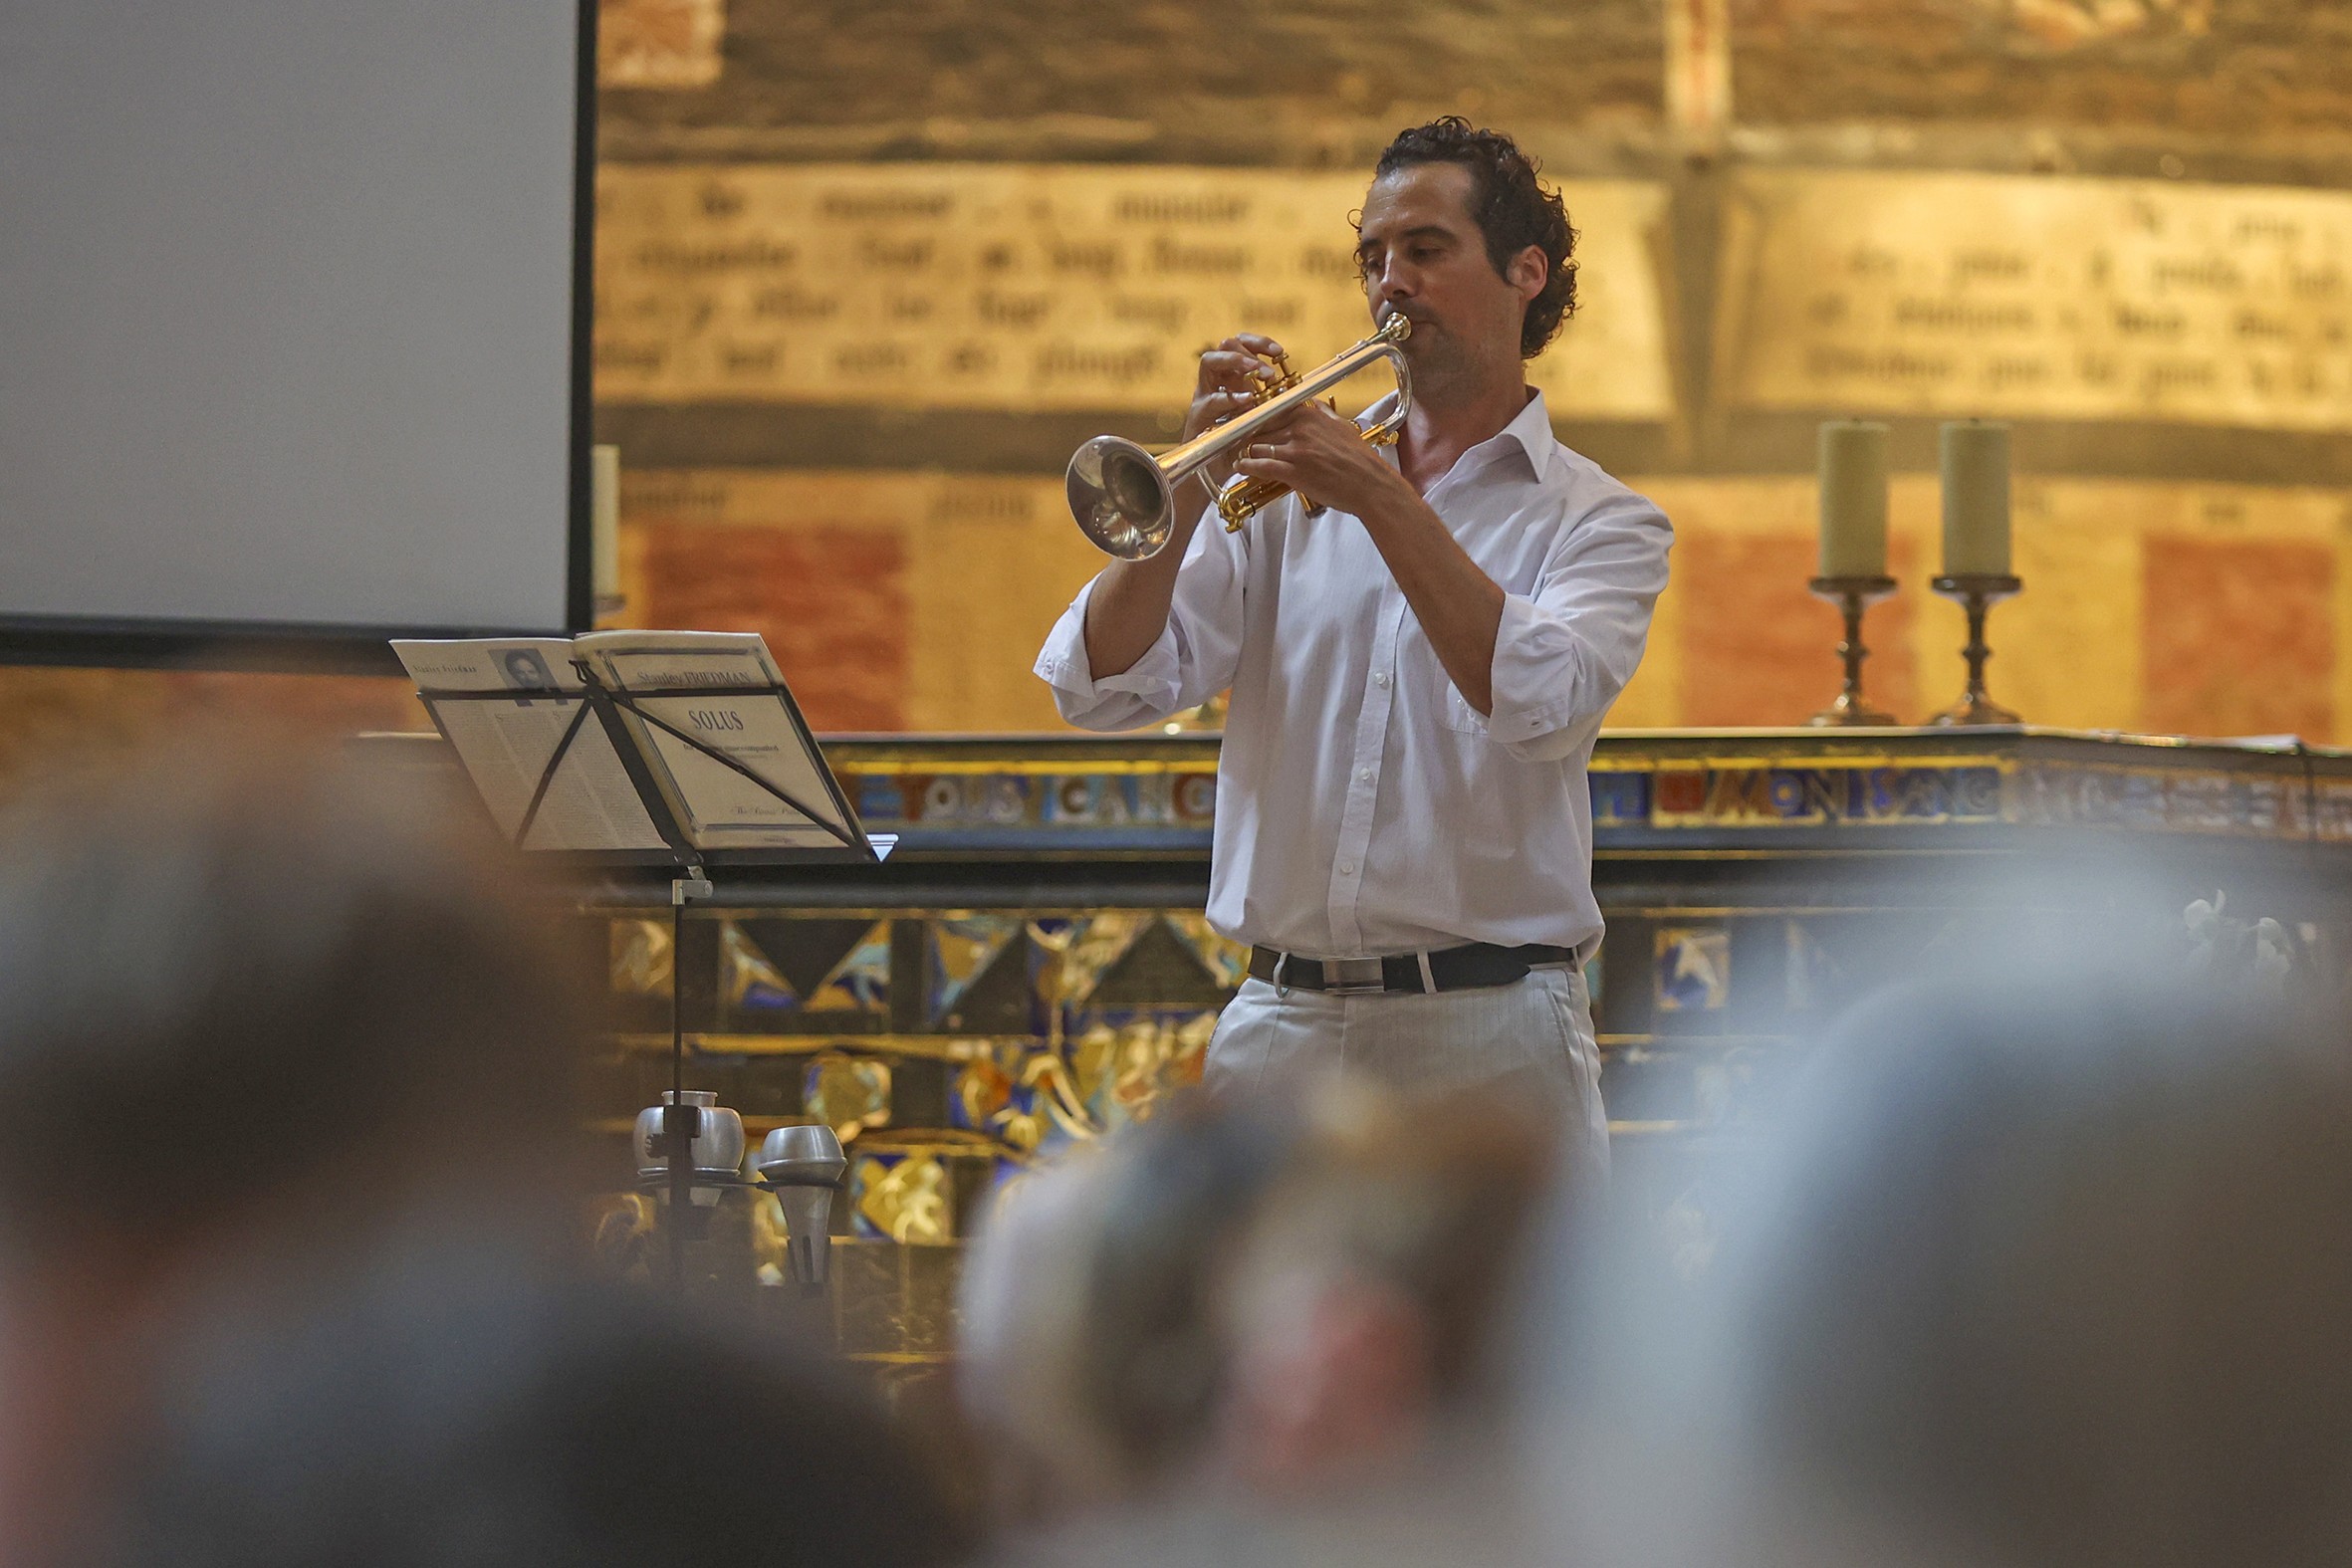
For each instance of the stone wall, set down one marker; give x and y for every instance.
(1217, 80)
(2246, 70)
(1304, 80)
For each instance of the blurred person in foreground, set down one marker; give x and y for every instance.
(255, 1014)
(286, 1208)
(1237, 1335)
(444, 1411)
(2038, 1269)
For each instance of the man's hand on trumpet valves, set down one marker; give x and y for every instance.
(1232, 376)
(1324, 458)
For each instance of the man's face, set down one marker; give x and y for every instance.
(1420, 252)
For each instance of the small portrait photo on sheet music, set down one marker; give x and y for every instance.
(525, 669)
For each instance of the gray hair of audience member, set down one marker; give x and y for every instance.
(1091, 1333)
(1430, 1197)
(227, 983)
(1113, 1308)
(1023, 1308)
(453, 1412)
(2039, 1272)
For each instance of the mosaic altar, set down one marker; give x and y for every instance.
(1030, 969)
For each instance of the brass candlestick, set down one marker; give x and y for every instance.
(1852, 595)
(1977, 594)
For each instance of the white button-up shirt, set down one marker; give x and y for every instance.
(1363, 806)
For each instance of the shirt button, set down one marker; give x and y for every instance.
(1347, 868)
(1380, 679)
(1363, 775)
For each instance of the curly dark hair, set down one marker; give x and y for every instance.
(1514, 210)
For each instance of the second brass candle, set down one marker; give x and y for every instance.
(1975, 466)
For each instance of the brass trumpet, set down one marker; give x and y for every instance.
(1123, 497)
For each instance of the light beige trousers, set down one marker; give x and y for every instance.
(1531, 1043)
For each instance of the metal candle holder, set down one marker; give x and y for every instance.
(1977, 592)
(1852, 595)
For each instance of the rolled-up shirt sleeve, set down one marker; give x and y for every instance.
(1193, 660)
(1563, 653)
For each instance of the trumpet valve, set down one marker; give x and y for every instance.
(1274, 377)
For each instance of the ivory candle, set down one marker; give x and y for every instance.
(1853, 498)
(1975, 465)
(604, 521)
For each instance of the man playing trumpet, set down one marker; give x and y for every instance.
(1404, 830)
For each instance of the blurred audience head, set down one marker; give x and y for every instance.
(1093, 1346)
(452, 1411)
(2038, 1269)
(228, 984)
(1363, 1302)
(1279, 1301)
(253, 1007)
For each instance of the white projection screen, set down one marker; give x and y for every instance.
(292, 325)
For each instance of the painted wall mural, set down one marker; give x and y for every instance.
(1035, 286)
(2034, 298)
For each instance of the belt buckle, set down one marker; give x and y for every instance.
(1354, 976)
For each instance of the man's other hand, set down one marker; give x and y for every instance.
(1232, 376)
(1324, 458)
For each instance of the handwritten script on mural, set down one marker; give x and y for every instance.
(1037, 287)
(2042, 298)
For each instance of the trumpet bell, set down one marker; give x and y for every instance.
(1121, 497)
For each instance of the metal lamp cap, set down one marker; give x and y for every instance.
(718, 1135)
(806, 1156)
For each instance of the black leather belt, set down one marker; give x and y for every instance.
(1445, 968)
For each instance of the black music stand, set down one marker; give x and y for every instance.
(680, 1122)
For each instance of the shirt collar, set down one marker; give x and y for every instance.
(1530, 430)
(1533, 431)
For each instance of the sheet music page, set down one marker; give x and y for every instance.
(720, 808)
(489, 665)
(631, 659)
(505, 743)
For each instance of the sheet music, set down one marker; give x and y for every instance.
(592, 802)
(519, 664)
(720, 808)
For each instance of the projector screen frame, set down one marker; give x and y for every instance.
(344, 649)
